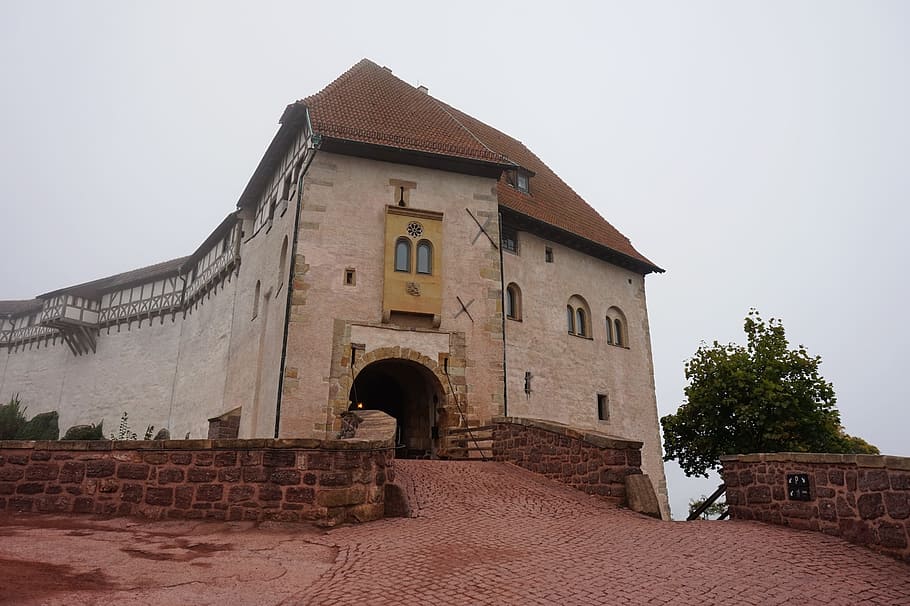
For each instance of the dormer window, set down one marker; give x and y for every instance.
(522, 182)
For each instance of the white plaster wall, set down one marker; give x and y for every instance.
(201, 362)
(256, 342)
(132, 371)
(342, 225)
(569, 371)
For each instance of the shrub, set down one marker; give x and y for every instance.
(12, 418)
(85, 432)
(41, 427)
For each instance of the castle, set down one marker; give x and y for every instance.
(390, 252)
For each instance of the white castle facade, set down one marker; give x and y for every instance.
(388, 252)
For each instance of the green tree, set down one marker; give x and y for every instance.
(714, 510)
(761, 397)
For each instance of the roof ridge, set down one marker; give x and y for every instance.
(334, 83)
(107, 281)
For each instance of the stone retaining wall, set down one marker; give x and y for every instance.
(862, 498)
(592, 462)
(322, 481)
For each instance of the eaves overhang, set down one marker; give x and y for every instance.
(550, 232)
(412, 157)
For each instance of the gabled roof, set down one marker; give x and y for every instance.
(128, 278)
(369, 105)
(17, 308)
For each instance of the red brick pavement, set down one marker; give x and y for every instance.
(485, 533)
(491, 533)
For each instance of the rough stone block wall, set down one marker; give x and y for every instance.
(224, 427)
(862, 498)
(588, 461)
(325, 482)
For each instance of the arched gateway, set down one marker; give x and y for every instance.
(408, 391)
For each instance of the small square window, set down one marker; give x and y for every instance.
(350, 277)
(603, 407)
(548, 254)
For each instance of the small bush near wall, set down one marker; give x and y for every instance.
(862, 498)
(85, 432)
(42, 426)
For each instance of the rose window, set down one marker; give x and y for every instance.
(415, 229)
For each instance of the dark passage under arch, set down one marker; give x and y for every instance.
(408, 391)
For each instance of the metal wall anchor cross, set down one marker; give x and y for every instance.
(483, 229)
(464, 308)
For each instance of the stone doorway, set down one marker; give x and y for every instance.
(407, 391)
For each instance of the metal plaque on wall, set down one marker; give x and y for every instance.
(798, 487)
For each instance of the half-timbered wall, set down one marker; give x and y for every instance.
(282, 187)
(179, 348)
(143, 300)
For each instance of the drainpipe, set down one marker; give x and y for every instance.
(293, 253)
(502, 288)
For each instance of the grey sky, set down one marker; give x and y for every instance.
(756, 150)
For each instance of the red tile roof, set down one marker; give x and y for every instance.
(127, 278)
(367, 104)
(16, 308)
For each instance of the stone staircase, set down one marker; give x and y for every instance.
(469, 442)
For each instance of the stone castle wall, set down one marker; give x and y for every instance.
(342, 227)
(573, 370)
(862, 498)
(322, 481)
(590, 462)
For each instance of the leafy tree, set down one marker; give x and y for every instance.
(714, 510)
(762, 397)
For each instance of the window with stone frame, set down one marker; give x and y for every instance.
(578, 317)
(513, 302)
(403, 255)
(509, 238)
(603, 407)
(617, 328)
(425, 257)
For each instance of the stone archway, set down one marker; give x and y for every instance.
(411, 393)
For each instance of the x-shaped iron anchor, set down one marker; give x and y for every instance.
(464, 308)
(483, 229)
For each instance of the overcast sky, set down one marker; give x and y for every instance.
(756, 150)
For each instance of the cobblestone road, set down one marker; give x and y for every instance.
(490, 533)
(484, 533)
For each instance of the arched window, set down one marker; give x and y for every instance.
(256, 300)
(403, 255)
(577, 314)
(424, 257)
(513, 302)
(617, 327)
(581, 324)
(282, 264)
